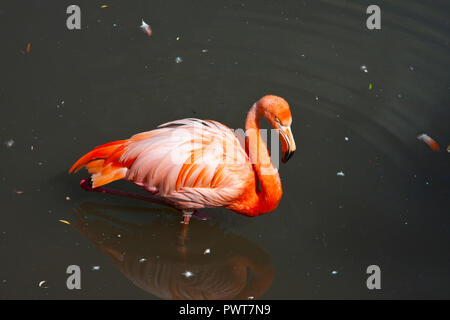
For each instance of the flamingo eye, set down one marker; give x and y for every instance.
(278, 121)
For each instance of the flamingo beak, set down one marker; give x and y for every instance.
(287, 142)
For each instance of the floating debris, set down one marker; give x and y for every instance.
(204, 50)
(317, 98)
(104, 6)
(43, 284)
(9, 143)
(346, 139)
(68, 198)
(334, 272)
(429, 141)
(370, 86)
(363, 68)
(178, 60)
(64, 221)
(411, 68)
(146, 28)
(142, 260)
(17, 191)
(340, 174)
(207, 251)
(95, 268)
(177, 38)
(188, 274)
(27, 50)
(119, 236)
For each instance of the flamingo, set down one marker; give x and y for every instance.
(191, 164)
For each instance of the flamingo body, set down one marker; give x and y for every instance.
(191, 164)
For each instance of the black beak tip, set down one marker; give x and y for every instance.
(287, 156)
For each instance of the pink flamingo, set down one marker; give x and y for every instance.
(191, 164)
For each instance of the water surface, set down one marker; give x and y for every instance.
(75, 90)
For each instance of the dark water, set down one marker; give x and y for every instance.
(78, 89)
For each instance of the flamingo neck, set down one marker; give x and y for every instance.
(269, 195)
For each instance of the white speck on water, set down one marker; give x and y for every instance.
(207, 251)
(142, 260)
(188, 274)
(347, 139)
(400, 96)
(340, 174)
(17, 191)
(317, 98)
(178, 38)
(204, 50)
(114, 25)
(43, 284)
(9, 143)
(178, 60)
(334, 272)
(119, 236)
(144, 25)
(68, 198)
(411, 68)
(251, 298)
(95, 268)
(32, 148)
(363, 68)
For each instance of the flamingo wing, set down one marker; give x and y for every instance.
(191, 163)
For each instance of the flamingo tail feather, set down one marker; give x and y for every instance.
(104, 163)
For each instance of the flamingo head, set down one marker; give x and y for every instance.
(277, 112)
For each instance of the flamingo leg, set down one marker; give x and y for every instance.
(86, 184)
(187, 214)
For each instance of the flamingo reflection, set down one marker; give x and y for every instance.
(176, 261)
